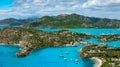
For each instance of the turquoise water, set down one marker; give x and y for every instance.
(1, 27)
(44, 57)
(92, 31)
(97, 31)
(50, 57)
(112, 43)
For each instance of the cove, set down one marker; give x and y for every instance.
(44, 57)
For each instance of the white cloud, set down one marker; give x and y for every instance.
(40, 7)
(28, 8)
(99, 3)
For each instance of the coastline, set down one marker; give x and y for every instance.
(98, 62)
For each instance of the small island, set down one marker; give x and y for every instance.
(105, 55)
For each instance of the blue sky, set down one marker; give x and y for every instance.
(6, 4)
(32, 8)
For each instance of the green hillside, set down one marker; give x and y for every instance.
(64, 21)
(74, 21)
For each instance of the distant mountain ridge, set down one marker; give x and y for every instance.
(13, 21)
(65, 21)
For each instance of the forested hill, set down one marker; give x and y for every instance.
(75, 21)
(66, 21)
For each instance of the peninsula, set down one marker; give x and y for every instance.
(30, 39)
(105, 55)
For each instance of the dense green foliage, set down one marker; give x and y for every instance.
(74, 21)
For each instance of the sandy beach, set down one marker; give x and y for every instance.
(98, 62)
(12, 44)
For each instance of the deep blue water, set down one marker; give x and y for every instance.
(50, 57)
